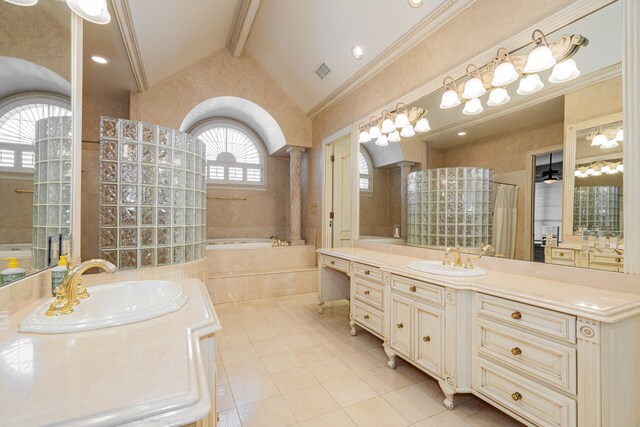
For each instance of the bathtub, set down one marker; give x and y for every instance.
(238, 243)
(15, 250)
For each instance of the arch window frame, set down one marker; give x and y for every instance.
(368, 175)
(233, 173)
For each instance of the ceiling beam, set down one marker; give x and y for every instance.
(246, 17)
(122, 14)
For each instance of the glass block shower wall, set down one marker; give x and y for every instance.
(450, 207)
(597, 208)
(152, 194)
(51, 186)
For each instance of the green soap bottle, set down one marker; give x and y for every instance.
(58, 273)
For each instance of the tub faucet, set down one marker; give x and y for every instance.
(71, 291)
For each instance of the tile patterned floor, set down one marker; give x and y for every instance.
(280, 363)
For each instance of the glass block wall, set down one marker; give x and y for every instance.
(597, 208)
(51, 186)
(152, 195)
(450, 207)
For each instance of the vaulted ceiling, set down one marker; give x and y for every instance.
(148, 40)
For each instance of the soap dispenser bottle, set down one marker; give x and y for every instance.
(58, 273)
(12, 273)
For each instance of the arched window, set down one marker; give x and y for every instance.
(364, 163)
(18, 119)
(235, 155)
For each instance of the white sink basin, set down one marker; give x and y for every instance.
(110, 305)
(436, 267)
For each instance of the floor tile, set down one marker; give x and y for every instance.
(229, 418)
(376, 412)
(246, 368)
(293, 379)
(237, 351)
(300, 341)
(362, 361)
(414, 403)
(225, 398)
(279, 361)
(254, 389)
(310, 402)
(332, 419)
(384, 379)
(349, 390)
(443, 419)
(269, 346)
(313, 354)
(272, 412)
(329, 370)
(489, 417)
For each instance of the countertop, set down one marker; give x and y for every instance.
(145, 373)
(593, 303)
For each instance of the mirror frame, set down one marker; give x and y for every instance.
(631, 107)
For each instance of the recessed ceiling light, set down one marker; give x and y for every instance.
(415, 3)
(99, 59)
(357, 52)
(462, 133)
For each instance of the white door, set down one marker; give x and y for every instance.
(341, 222)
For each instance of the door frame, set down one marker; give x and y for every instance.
(529, 204)
(327, 189)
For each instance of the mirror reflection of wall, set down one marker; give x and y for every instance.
(35, 75)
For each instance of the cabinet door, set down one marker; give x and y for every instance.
(429, 338)
(401, 324)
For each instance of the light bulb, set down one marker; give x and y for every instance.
(473, 88)
(529, 84)
(394, 136)
(450, 99)
(539, 59)
(612, 143)
(504, 74)
(388, 126)
(382, 141)
(498, 96)
(589, 171)
(401, 121)
(620, 136)
(374, 132)
(407, 131)
(612, 171)
(605, 169)
(620, 168)
(422, 125)
(577, 173)
(598, 139)
(364, 137)
(564, 71)
(95, 11)
(472, 106)
(90, 7)
(596, 172)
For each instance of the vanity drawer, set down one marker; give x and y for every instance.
(335, 263)
(373, 274)
(368, 317)
(540, 405)
(542, 359)
(527, 317)
(563, 254)
(369, 293)
(606, 260)
(426, 291)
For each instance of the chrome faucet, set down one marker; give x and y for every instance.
(457, 259)
(71, 291)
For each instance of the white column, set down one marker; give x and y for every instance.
(295, 195)
(405, 169)
(631, 123)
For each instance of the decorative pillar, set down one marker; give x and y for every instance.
(631, 122)
(405, 170)
(295, 195)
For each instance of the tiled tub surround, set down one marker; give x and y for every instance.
(546, 352)
(450, 207)
(152, 195)
(51, 185)
(116, 375)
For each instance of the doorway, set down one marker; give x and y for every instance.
(338, 182)
(547, 201)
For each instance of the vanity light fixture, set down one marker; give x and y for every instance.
(620, 168)
(408, 131)
(394, 136)
(498, 96)
(597, 137)
(611, 143)
(450, 97)
(473, 88)
(382, 141)
(541, 58)
(530, 84)
(388, 125)
(564, 71)
(364, 135)
(505, 73)
(598, 169)
(620, 135)
(357, 52)
(23, 2)
(472, 107)
(397, 124)
(99, 59)
(95, 11)
(374, 130)
(422, 125)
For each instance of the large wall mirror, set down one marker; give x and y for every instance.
(35, 135)
(537, 177)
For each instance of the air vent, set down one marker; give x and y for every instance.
(323, 70)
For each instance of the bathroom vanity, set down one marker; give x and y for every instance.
(547, 353)
(161, 371)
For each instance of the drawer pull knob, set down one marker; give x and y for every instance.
(618, 260)
(332, 262)
(561, 253)
(400, 325)
(516, 315)
(516, 351)
(426, 339)
(516, 396)
(367, 272)
(366, 292)
(413, 289)
(366, 317)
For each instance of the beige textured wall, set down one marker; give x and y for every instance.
(600, 99)
(507, 156)
(380, 209)
(263, 214)
(482, 25)
(16, 210)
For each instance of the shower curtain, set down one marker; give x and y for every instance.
(505, 215)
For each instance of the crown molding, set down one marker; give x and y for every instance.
(421, 31)
(122, 14)
(244, 23)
